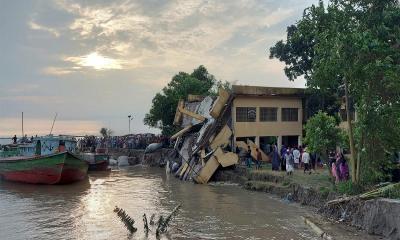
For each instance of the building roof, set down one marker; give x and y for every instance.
(267, 91)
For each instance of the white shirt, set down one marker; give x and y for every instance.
(306, 157)
(296, 155)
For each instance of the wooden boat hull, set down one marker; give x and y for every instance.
(99, 166)
(75, 169)
(36, 170)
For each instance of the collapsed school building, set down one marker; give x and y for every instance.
(216, 130)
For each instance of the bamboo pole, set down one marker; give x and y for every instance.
(351, 139)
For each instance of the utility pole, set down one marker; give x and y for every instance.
(23, 125)
(129, 122)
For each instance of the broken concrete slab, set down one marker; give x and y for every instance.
(178, 114)
(219, 104)
(253, 147)
(222, 138)
(192, 114)
(181, 132)
(207, 171)
(228, 159)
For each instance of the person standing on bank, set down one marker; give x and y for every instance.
(275, 159)
(14, 139)
(306, 161)
(296, 157)
(258, 160)
(289, 162)
(249, 158)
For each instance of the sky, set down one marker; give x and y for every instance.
(96, 62)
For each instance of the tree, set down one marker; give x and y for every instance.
(105, 132)
(353, 46)
(162, 112)
(322, 133)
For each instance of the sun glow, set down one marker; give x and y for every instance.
(96, 61)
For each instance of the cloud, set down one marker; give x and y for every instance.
(36, 26)
(57, 71)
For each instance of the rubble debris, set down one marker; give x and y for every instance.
(219, 103)
(207, 171)
(163, 223)
(206, 147)
(222, 139)
(192, 114)
(178, 114)
(126, 219)
(226, 159)
(151, 222)
(253, 147)
(181, 132)
(195, 98)
(145, 224)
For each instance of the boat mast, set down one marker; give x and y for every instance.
(23, 125)
(53, 124)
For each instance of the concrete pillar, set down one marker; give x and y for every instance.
(300, 140)
(279, 143)
(257, 141)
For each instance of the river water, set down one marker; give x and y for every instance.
(85, 210)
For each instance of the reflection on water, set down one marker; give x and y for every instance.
(85, 210)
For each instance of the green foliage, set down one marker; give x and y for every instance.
(322, 133)
(357, 41)
(349, 188)
(105, 132)
(324, 191)
(162, 112)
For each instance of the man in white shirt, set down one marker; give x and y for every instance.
(296, 156)
(306, 160)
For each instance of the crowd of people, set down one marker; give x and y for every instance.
(131, 141)
(289, 159)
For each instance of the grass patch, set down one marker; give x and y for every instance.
(349, 188)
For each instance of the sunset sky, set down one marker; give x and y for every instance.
(96, 62)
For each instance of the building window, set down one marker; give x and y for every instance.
(246, 114)
(290, 114)
(268, 114)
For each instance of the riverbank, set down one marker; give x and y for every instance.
(377, 216)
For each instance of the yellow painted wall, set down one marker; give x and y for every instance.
(278, 128)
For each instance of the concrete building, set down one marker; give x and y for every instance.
(267, 115)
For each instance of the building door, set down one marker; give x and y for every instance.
(290, 141)
(266, 143)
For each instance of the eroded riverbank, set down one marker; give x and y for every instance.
(85, 210)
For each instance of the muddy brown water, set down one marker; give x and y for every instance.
(85, 210)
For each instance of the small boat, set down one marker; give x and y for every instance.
(59, 168)
(96, 161)
(47, 160)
